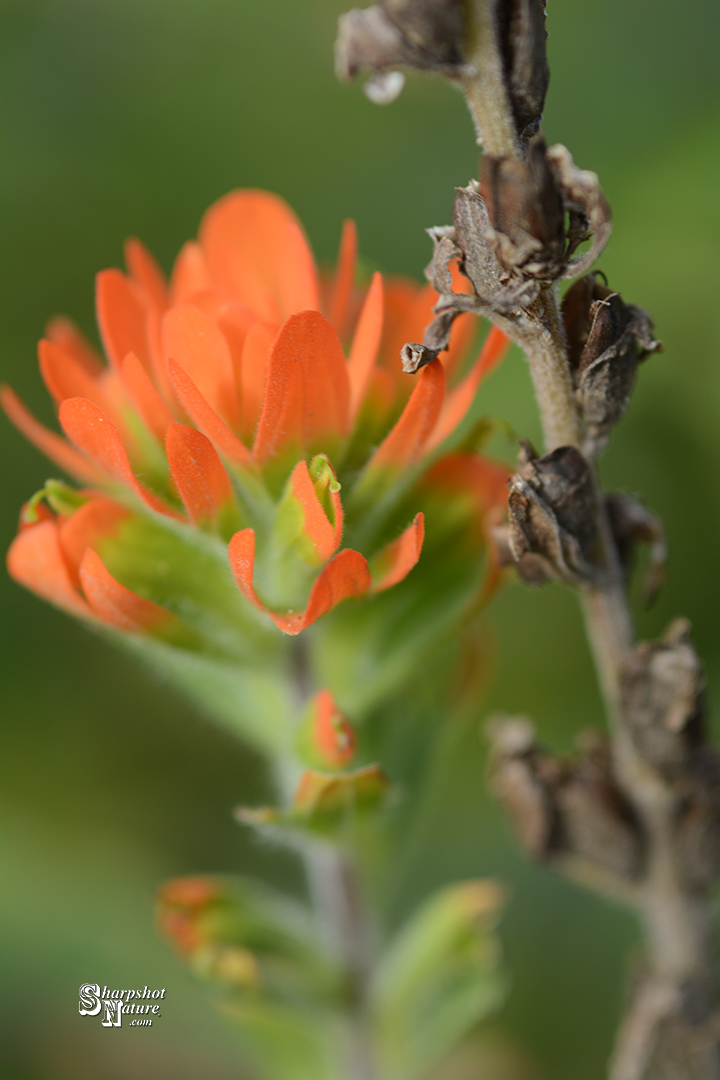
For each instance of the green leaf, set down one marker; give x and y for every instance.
(328, 804)
(283, 1044)
(252, 703)
(439, 978)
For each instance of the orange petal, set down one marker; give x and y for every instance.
(325, 535)
(254, 248)
(122, 317)
(235, 320)
(344, 576)
(63, 332)
(89, 428)
(95, 520)
(298, 285)
(47, 442)
(405, 442)
(146, 273)
(190, 273)
(366, 343)
(141, 391)
(66, 377)
(206, 419)
(194, 341)
(308, 392)
(480, 478)
(341, 288)
(115, 604)
(397, 560)
(36, 561)
(461, 397)
(253, 371)
(199, 475)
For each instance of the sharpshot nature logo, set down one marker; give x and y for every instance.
(114, 1004)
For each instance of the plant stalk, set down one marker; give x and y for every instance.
(677, 921)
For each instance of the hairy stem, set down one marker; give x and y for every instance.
(339, 903)
(542, 337)
(484, 87)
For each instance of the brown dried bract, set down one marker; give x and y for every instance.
(552, 514)
(663, 699)
(566, 809)
(522, 36)
(607, 339)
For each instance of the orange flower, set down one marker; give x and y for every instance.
(227, 395)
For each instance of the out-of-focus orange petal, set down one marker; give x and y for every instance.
(298, 285)
(366, 343)
(476, 477)
(190, 273)
(344, 576)
(36, 561)
(146, 273)
(307, 391)
(64, 332)
(253, 371)
(141, 391)
(235, 320)
(122, 317)
(47, 442)
(115, 604)
(194, 340)
(206, 419)
(95, 520)
(255, 249)
(408, 310)
(90, 430)
(199, 475)
(397, 560)
(342, 283)
(324, 534)
(461, 397)
(405, 442)
(65, 377)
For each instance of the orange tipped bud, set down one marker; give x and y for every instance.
(326, 740)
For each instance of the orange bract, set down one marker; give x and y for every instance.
(229, 379)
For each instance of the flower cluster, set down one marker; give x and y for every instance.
(231, 445)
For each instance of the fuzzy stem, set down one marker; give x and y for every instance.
(542, 337)
(338, 901)
(337, 896)
(484, 87)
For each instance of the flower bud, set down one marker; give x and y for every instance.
(326, 739)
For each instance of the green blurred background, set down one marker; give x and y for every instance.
(129, 117)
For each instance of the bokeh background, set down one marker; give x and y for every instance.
(128, 117)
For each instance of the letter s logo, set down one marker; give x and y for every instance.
(90, 999)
